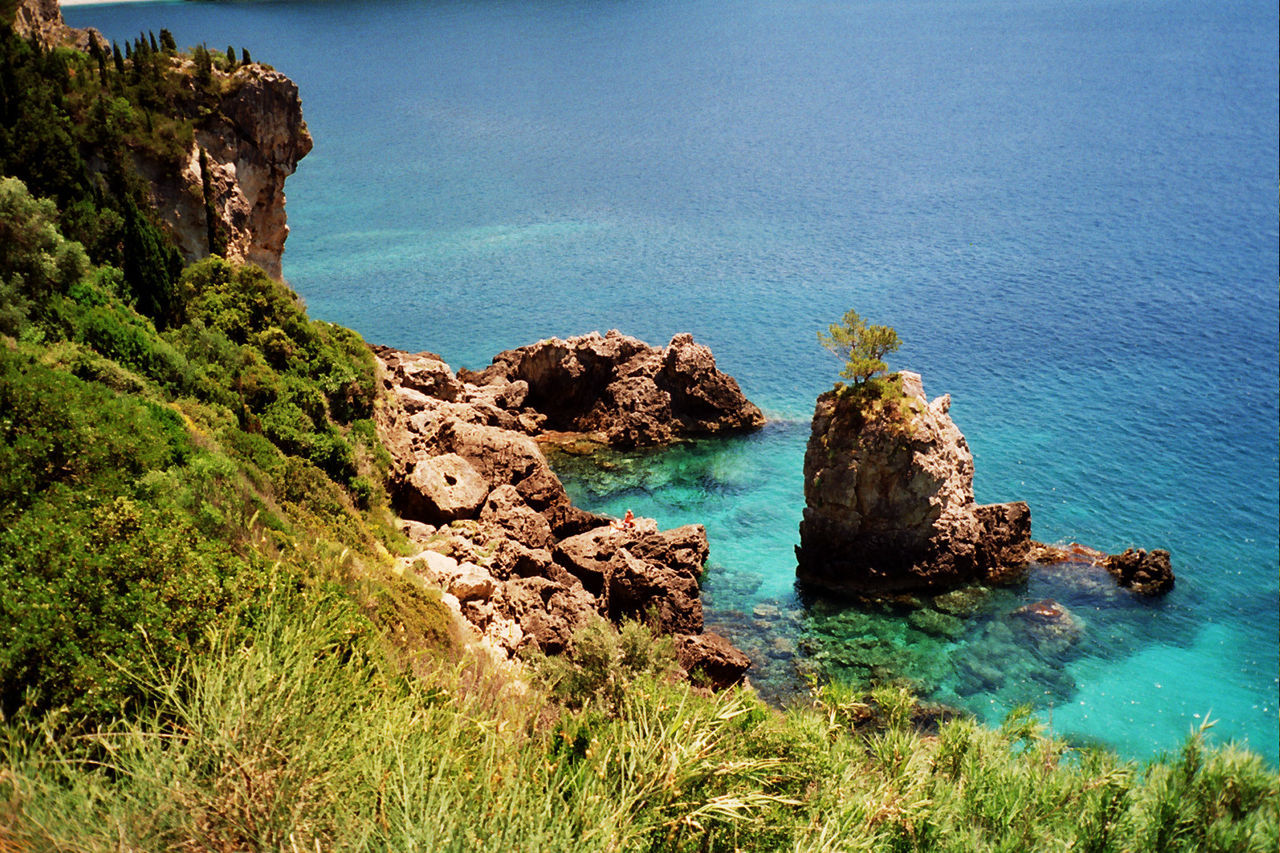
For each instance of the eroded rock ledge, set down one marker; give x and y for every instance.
(498, 532)
(623, 391)
(889, 506)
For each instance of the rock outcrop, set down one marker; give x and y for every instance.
(253, 135)
(1144, 572)
(623, 391)
(499, 534)
(42, 20)
(889, 500)
(253, 139)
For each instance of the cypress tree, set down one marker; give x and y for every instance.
(231, 57)
(244, 56)
(117, 57)
(216, 246)
(154, 47)
(167, 42)
(99, 56)
(204, 65)
(128, 50)
(148, 267)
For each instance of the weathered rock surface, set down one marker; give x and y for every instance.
(524, 566)
(623, 390)
(889, 501)
(254, 140)
(718, 660)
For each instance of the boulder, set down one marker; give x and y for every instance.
(443, 488)
(1144, 572)
(470, 582)
(683, 549)
(718, 660)
(548, 612)
(506, 509)
(642, 571)
(650, 591)
(889, 499)
(587, 555)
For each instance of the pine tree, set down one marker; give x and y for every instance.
(863, 347)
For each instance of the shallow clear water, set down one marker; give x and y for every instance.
(1067, 209)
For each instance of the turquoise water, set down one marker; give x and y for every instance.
(1067, 209)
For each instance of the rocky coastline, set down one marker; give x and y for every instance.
(517, 560)
(889, 506)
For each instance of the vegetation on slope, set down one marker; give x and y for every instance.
(303, 739)
(153, 484)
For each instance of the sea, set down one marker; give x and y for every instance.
(1066, 208)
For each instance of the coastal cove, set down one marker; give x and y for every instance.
(1066, 210)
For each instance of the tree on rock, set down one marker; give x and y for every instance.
(863, 347)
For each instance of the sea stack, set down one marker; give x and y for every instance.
(889, 506)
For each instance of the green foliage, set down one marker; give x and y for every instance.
(862, 347)
(606, 662)
(147, 480)
(302, 734)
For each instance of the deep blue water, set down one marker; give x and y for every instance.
(1067, 209)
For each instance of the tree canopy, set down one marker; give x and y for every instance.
(862, 347)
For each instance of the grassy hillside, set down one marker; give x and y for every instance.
(203, 646)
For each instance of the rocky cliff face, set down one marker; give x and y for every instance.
(623, 391)
(254, 140)
(498, 532)
(254, 137)
(43, 20)
(889, 501)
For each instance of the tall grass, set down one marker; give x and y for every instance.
(306, 738)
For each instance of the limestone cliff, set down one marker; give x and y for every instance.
(253, 138)
(889, 500)
(42, 19)
(249, 121)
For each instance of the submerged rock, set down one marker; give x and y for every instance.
(1051, 626)
(1137, 570)
(889, 500)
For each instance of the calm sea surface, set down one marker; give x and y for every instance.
(1066, 208)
